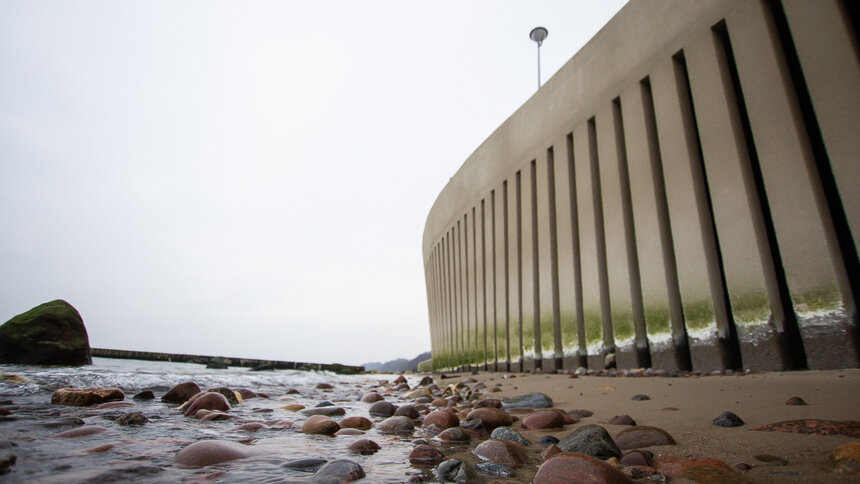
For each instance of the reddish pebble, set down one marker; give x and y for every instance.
(100, 448)
(360, 423)
(504, 452)
(441, 419)
(364, 447)
(570, 467)
(544, 419)
(426, 455)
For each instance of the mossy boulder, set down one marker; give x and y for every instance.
(49, 334)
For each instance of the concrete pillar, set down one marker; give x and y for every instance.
(679, 153)
(749, 270)
(514, 258)
(591, 307)
(816, 275)
(617, 256)
(568, 290)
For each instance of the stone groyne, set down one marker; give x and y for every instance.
(226, 360)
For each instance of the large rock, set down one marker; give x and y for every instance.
(591, 440)
(50, 334)
(578, 468)
(181, 393)
(504, 452)
(529, 400)
(208, 452)
(84, 397)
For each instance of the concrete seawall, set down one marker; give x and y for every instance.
(681, 194)
(229, 361)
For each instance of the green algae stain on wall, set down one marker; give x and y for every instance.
(699, 314)
(622, 323)
(657, 319)
(593, 326)
(569, 331)
(547, 334)
(750, 307)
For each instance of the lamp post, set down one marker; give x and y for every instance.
(538, 34)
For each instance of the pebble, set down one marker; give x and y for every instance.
(845, 459)
(491, 417)
(424, 454)
(372, 397)
(795, 401)
(743, 466)
(454, 470)
(640, 397)
(83, 397)
(324, 386)
(580, 413)
(305, 465)
(496, 470)
(591, 440)
(643, 436)
(338, 471)
(133, 418)
(529, 400)
(320, 424)
(548, 440)
(489, 402)
(441, 419)
(364, 447)
(578, 468)
(637, 458)
(709, 475)
(144, 395)
(728, 419)
(425, 381)
(544, 419)
(354, 422)
(232, 397)
(454, 434)
(507, 433)
(395, 425)
(293, 407)
(622, 420)
(382, 409)
(207, 401)
(208, 452)
(504, 452)
(327, 411)
(181, 393)
(349, 431)
(408, 411)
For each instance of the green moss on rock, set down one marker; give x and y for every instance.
(49, 334)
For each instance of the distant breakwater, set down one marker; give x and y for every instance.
(226, 360)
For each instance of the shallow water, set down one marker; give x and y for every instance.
(147, 453)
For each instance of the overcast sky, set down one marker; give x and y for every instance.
(250, 178)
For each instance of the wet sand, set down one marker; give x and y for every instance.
(757, 398)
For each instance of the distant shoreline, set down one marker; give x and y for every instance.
(226, 360)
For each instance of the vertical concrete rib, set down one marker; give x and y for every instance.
(589, 277)
(680, 155)
(582, 344)
(831, 168)
(562, 163)
(812, 252)
(600, 243)
(467, 272)
(515, 258)
(558, 345)
(727, 337)
(502, 347)
(615, 238)
(507, 275)
(680, 346)
(484, 281)
(540, 181)
(730, 164)
(495, 356)
(536, 312)
(476, 358)
(643, 355)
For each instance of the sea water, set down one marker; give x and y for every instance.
(147, 453)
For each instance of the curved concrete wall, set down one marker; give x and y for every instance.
(681, 195)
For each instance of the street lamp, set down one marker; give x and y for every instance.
(538, 34)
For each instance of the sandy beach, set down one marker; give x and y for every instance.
(686, 406)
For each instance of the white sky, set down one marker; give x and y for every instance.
(250, 178)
